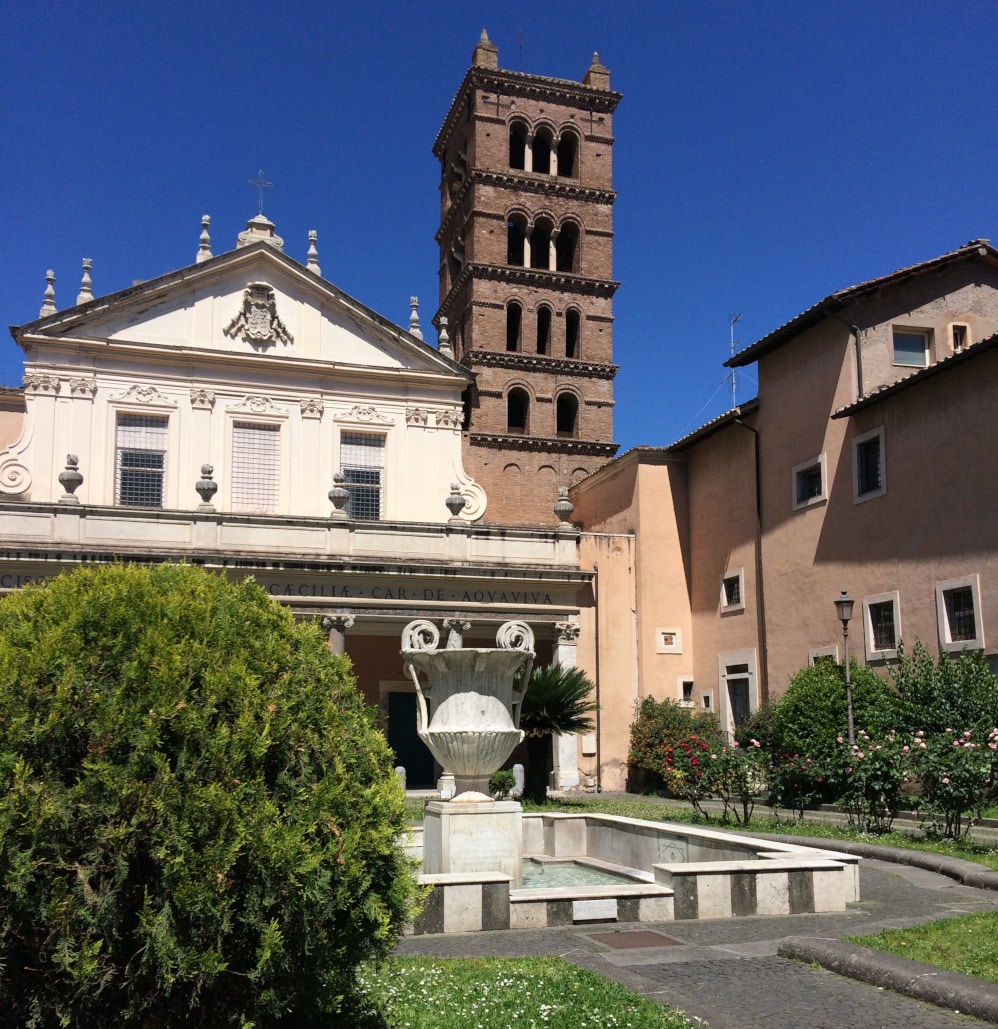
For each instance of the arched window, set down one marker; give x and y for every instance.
(516, 240)
(567, 248)
(514, 324)
(540, 244)
(573, 321)
(517, 411)
(517, 145)
(543, 330)
(567, 415)
(568, 155)
(542, 146)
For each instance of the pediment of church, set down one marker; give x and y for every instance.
(249, 302)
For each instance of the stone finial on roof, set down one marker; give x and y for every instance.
(86, 283)
(48, 305)
(414, 329)
(598, 75)
(485, 54)
(260, 228)
(204, 241)
(443, 339)
(313, 253)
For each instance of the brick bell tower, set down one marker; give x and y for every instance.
(526, 287)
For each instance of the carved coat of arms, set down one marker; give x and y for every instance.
(257, 323)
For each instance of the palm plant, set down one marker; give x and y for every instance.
(557, 701)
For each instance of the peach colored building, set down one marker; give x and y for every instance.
(867, 463)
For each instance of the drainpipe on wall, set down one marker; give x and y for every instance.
(599, 766)
(760, 597)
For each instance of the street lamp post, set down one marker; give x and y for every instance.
(843, 608)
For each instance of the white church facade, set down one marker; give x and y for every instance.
(244, 414)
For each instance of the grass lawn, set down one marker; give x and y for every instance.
(968, 944)
(494, 993)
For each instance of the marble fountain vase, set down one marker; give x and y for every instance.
(468, 714)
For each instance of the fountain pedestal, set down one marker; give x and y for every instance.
(474, 837)
(468, 714)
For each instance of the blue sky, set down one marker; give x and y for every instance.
(766, 153)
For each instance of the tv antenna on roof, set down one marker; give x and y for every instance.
(731, 324)
(519, 43)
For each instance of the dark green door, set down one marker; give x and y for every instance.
(410, 751)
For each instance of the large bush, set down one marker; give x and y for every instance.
(812, 714)
(198, 821)
(660, 728)
(949, 693)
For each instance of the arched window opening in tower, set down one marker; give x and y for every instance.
(540, 244)
(543, 330)
(514, 324)
(572, 325)
(517, 412)
(567, 416)
(517, 146)
(568, 155)
(542, 146)
(516, 240)
(567, 248)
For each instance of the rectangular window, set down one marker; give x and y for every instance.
(256, 470)
(732, 592)
(362, 460)
(140, 458)
(958, 612)
(823, 654)
(961, 336)
(882, 625)
(869, 478)
(911, 348)
(809, 482)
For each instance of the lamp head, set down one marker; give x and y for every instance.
(843, 608)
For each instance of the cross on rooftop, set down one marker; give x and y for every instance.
(261, 184)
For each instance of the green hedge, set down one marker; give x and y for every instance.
(198, 820)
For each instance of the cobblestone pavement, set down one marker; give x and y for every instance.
(726, 972)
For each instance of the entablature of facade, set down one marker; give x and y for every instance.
(521, 182)
(546, 444)
(78, 533)
(531, 87)
(539, 278)
(538, 363)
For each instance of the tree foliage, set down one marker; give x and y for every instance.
(662, 726)
(812, 714)
(198, 821)
(947, 693)
(558, 700)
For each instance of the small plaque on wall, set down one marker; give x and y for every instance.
(668, 641)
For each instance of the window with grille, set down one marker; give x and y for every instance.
(362, 460)
(256, 467)
(882, 625)
(140, 458)
(868, 465)
(732, 592)
(958, 608)
(809, 482)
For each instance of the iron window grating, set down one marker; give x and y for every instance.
(362, 460)
(256, 469)
(140, 446)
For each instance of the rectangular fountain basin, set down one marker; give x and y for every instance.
(669, 871)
